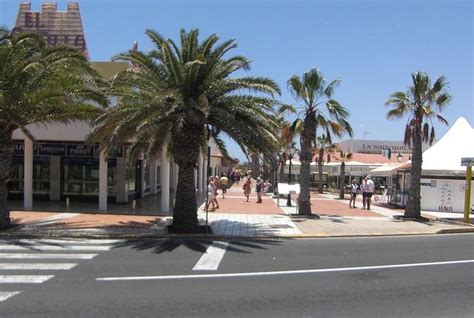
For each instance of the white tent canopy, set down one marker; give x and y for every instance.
(444, 157)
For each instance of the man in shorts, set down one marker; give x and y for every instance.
(224, 182)
(370, 189)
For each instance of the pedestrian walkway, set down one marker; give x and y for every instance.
(250, 225)
(77, 224)
(237, 218)
(24, 262)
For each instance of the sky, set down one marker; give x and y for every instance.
(372, 46)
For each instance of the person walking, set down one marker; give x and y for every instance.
(363, 188)
(224, 181)
(259, 189)
(215, 186)
(210, 194)
(354, 189)
(247, 187)
(370, 189)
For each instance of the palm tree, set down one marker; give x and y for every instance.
(255, 163)
(285, 137)
(312, 90)
(342, 174)
(39, 84)
(323, 145)
(178, 95)
(418, 105)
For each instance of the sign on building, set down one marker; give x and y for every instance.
(56, 27)
(467, 162)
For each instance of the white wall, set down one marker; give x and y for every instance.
(444, 195)
(76, 131)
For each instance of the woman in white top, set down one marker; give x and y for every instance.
(354, 189)
(210, 194)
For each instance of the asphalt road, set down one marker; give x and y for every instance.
(431, 290)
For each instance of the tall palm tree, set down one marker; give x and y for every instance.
(342, 173)
(419, 104)
(255, 163)
(177, 95)
(323, 146)
(315, 95)
(285, 137)
(40, 84)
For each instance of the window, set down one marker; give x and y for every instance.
(40, 175)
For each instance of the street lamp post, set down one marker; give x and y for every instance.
(291, 153)
(275, 182)
(399, 157)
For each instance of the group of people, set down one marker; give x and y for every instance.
(260, 187)
(222, 182)
(367, 187)
(214, 184)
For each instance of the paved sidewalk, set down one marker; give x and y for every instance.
(238, 218)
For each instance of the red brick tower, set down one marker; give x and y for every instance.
(56, 27)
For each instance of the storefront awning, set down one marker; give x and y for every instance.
(389, 169)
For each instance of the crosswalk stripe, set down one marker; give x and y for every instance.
(211, 259)
(54, 248)
(5, 295)
(24, 279)
(36, 266)
(56, 241)
(38, 256)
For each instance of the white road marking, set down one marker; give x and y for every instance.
(308, 271)
(37, 256)
(36, 266)
(24, 279)
(211, 259)
(54, 241)
(53, 248)
(5, 295)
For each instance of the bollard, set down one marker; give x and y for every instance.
(134, 204)
(67, 203)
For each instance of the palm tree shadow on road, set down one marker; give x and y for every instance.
(159, 246)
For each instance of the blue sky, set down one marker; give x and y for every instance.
(373, 46)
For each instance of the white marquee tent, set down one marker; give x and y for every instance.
(444, 157)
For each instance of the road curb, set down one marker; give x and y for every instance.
(86, 235)
(453, 222)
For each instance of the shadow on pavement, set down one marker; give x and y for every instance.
(200, 245)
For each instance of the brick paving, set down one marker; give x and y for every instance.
(237, 218)
(114, 220)
(331, 207)
(21, 217)
(235, 202)
(250, 225)
(369, 227)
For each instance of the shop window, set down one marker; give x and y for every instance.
(132, 178)
(147, 178)
(112, 180)
(41, 175)
(81, 176)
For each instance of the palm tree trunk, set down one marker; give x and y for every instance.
(255, 165)
(6, 156)
(413, 208)
(185, 211)
(307, 137)
(342, 180)
(186, 153)
(320, 171)
(282, 171)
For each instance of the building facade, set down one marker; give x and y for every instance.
(58, 165)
